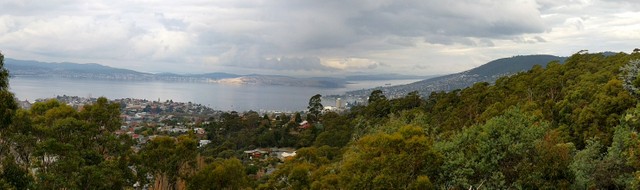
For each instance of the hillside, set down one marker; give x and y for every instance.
(488, 72)
(24, 67)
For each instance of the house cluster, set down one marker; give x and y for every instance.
(24, 104)
(166, 117)
(73, 101)
(143, 119)
(340, 106)
(132, 105)
(265, 156)
(264, 153)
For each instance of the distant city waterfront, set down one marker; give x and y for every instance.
(216, 96)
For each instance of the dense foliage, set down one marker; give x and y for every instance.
(566, 126)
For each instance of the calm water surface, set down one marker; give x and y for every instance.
(217, 96)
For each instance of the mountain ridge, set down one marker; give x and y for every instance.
(487, 72)
(30, 68)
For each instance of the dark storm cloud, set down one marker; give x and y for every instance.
(447, 22)
(310, 28)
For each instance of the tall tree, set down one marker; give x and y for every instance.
(315, 107)
(379, 106)
(390, 161)
(7, 102)
(8, 107)
(629, 77)
(222, 174)
(169, 160)
(375, 96)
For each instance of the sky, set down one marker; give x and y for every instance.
(310, 37)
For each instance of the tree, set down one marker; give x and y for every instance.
(379, 106)
(495, 155)
(167, 159)
(307, 167)
(336, 133)
(629, 76)
(618, 167)
(8, 108)
(4, 74)
(410, 101)
(71, 149)
(375, 96)
(315, 107)
(7, 101)
(298, 118)
(15, 175)
(225, 174)
(21, 137)
(399, 160)
(585, 163)
(106, 115)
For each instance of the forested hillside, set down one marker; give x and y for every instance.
(488, 72)
(565, 126)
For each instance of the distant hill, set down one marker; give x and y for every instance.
(513, 64)
(23, 68)
(488, 72)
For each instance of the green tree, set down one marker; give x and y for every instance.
(379, 107)
(315, 107)
(495, 155)
(14, 175)
(70, 149)
(375, 96)
(308, 168)
(390, 161)
(614, 169)
(225, 174)
(585, 163)
(336, 133)
(168, 160)
(410, 101)
(21, 137)
(7, 101)
(298, 117)
(629, 76)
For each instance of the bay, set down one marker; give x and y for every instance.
(217, 96)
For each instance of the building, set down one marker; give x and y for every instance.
(257, 153)
(203, 143)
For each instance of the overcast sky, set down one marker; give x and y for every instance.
(314, 37)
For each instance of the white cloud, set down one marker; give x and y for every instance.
(67, 35)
